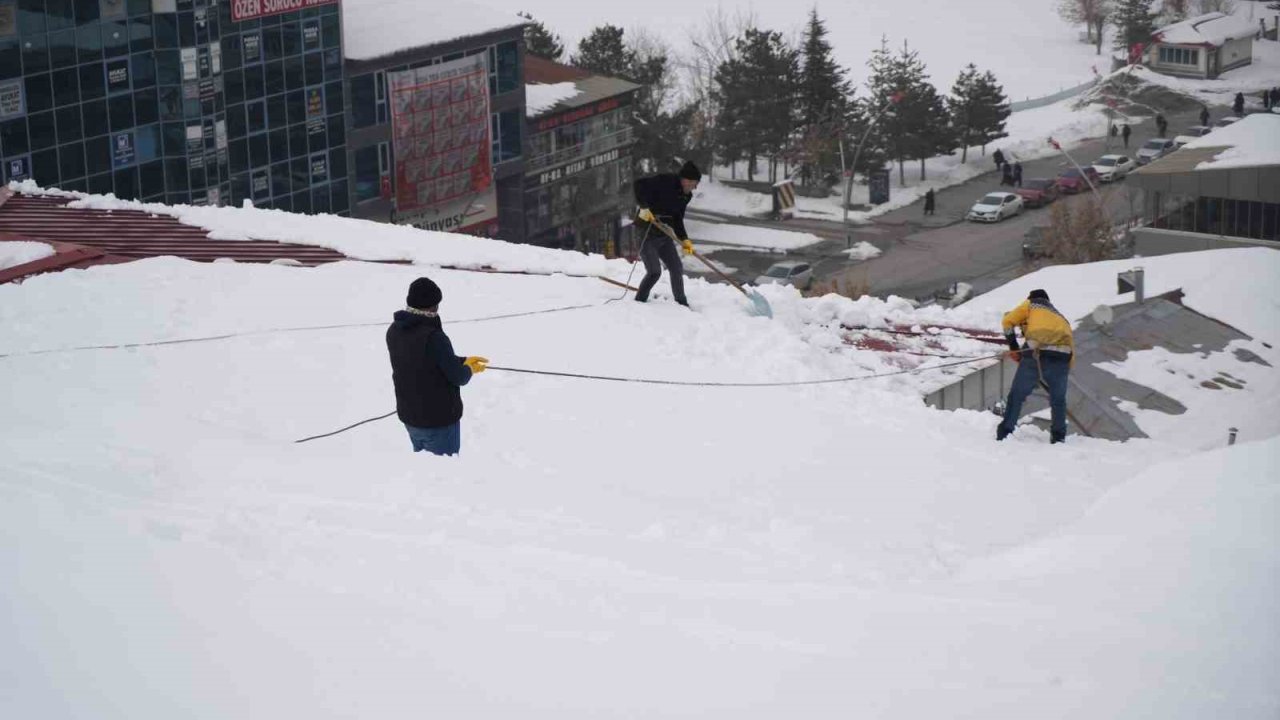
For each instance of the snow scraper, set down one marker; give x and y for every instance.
(759, 306)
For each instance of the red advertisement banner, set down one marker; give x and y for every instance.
(440, 139)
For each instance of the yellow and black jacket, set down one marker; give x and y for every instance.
(1043, 328)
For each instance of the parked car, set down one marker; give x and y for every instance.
(996, 206)
(1154, 149)
(1033, 246)
(1038, 192)
(1072, 181)
(1113, 167)
(1226, 121)
(1192, 133)
(796, 273)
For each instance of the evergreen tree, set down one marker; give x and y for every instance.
(540, 41)
(1134, 21)
(978, 110)
(603, 52)
(824, 101)
(916, 128)
(757, 92)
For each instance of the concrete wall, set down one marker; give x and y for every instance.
(1235, 53)
(1152, 241)
(979, 390)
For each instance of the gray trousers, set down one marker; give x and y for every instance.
(659, 250)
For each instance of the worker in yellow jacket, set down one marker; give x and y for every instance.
(1044, 358)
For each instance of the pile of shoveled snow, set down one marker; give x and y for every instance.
(20, 252)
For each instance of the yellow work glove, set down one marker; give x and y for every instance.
(645, 214)
(477, 364)
(688, 246)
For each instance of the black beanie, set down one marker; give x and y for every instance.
(689, 171)
(1038, 295)
(423, 294)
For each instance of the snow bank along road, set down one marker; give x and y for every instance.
(599, 550)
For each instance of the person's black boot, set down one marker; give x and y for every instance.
(1001, 432)
(1057, 437)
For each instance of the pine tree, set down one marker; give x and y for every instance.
(540, 41)
(993, 111)
(757, 92)
(916, 128)
(603, 52)
(824, 101)
(882, 86)
(1134, 23)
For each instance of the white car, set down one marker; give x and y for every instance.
(796, 273)
(1113, 167)
(995, 207)
(1192, 133)
(1154, 149)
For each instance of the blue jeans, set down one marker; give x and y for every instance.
(445, 440)
(1054, 367)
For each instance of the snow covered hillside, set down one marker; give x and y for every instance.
(600, 549)
(1030, 49)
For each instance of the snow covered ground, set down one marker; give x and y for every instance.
(21, 252)
(748, 236)
(1029, 133)
(600, 549)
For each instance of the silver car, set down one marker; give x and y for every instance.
(795, 273)
(1154, 149)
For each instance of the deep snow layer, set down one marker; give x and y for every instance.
(599, 550)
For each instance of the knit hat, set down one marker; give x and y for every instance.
(1038, 295)
(424, 294)
(689, 171)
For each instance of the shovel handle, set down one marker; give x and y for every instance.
(666, 230)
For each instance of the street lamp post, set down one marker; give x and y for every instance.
(853, 168)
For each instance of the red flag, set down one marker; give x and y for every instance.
(897, 97)
(1055, 144)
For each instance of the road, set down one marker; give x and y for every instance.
(924, 255)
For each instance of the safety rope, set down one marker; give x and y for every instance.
(692, 383)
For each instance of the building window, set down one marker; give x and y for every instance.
(504, 68)
(371, 167)
(1179, 56)
(506, 136)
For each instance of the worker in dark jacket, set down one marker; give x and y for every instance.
(664, 198)
(426, 374)
(1045, 358)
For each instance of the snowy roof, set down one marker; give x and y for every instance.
(1253, 141)
(376, 28)
(552, 86)
(539, 98)
(1212, 28)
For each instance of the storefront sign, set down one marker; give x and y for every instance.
(18, 168)
(250, 9)
(440, 144)
(261, 187)
(581, 113)
(189, 64)
(122, 152)
(252, 45)
(117, 75)
(311, 35)
(11, 104)
(577, 166)
(319, 167)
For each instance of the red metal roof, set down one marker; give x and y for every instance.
(547, 72)
(134, 234)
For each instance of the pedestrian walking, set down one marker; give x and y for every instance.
(1017, 174)
(1275, 97)
(1238, 105)
(664, 198)
(928, 202)
(1162, 125)
(1044, 359)
(1112, 133)
(1125, 132)
(1204, 115)
(426, 374)
(999, 158)
(1006, 175)
(1266, 100)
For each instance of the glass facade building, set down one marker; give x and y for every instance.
(176, 101)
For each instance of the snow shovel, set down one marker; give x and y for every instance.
(759, 306)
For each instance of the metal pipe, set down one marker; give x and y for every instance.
(1139, 285)
(853, 167)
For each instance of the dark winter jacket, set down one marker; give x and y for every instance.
(998, 157)
(665, 198)
(425, 372)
